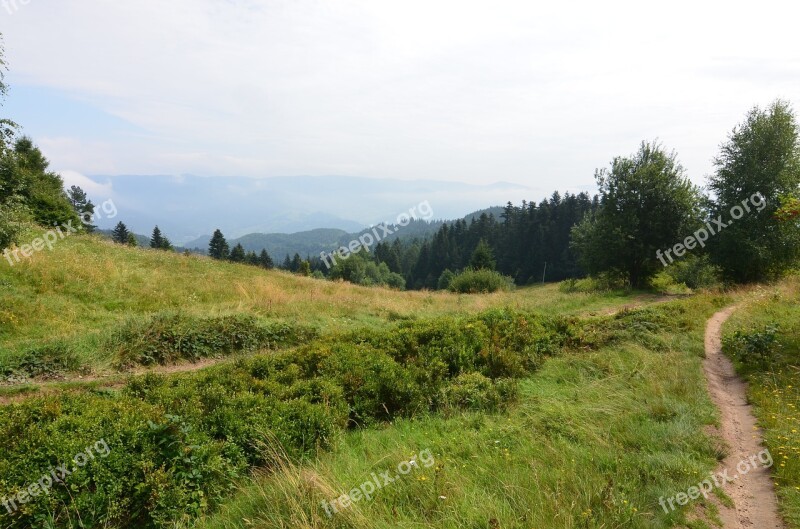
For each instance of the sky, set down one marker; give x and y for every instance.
(537, 94)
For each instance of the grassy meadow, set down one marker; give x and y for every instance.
(540, 408)
(78, 297)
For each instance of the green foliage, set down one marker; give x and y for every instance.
(158, 241)
(218, 246)
(445, 279)
(475, 392)
(177, 443)
(166, 338)
(120, 234)
(603, 282)
(360, 268)
(12, 217)
(755, 349)
(237, 254)
(483, 257)
(695, 272)
(647, 204)
(664, 283)
(82, 206)
(762, 155)
(24, 177)
(480, 282)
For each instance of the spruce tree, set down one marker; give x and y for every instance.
(156, 240)
(82, 206)
(237, 254)
(218, 247)
(265, 260)
(120, 234)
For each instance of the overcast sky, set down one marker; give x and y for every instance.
(527, 92)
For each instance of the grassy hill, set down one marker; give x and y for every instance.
(82, 294)
(530, 408)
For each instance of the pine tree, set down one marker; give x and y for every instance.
(252, 258)
(218, 247)
(482, 257)
(237, 254)
(131, 240)
(265, 260)
(296, 263)
(82, 206)
(120, 234)
(287, 263)
(156, 240)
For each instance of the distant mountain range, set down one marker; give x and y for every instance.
(187, 208)
(313, 242)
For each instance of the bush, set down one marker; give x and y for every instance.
(664, 283)
(179, 442)
(166, 338)
(695, 272)
(755, 348)
(480, 282)
(473, 391)
(603, 282)
(445, 280)
(12, 217)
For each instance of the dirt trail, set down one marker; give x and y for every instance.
(753, 494)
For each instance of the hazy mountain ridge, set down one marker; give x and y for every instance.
(186, 208)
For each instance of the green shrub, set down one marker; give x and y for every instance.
(49, 361)
(179, 442)
(473, 391)
(603, 282)
(480, 282)
(664, 283)
(755, 349)
(695, 272)
(167, 338)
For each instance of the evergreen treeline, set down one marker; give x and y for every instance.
(521, 242)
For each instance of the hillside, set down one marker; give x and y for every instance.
(86, 289)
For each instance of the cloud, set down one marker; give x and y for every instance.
(456, 90)
(97, 192)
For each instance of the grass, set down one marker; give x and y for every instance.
(86, 289)
(596, 439)
(772, 370)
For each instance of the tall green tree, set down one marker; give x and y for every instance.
(82, 206)
(761, 156)
(647, 204)
(120, 234)
(218, 246)
(156, 240)
(483, 257)
(237, 254)
(265, 260)
(24, 176)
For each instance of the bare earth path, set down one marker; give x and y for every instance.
(753, 494)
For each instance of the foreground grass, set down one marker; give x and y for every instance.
(596, 439)
(772, 368)
(86, 289)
